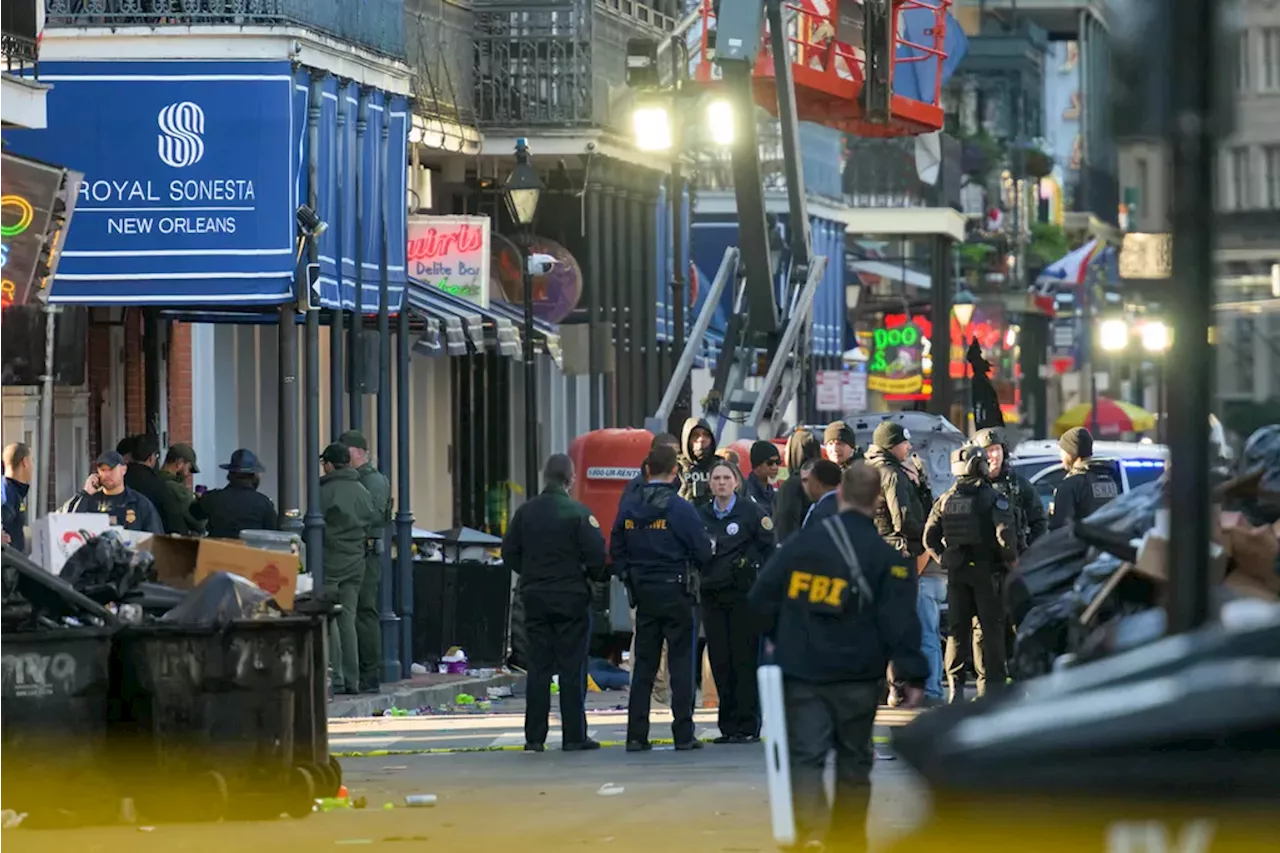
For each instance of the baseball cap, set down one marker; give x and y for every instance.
(336, 454)
(186, 453)
(108, 458)
(354, 438)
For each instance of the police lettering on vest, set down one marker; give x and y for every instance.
(1104, 489)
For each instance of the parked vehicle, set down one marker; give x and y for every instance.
(1135, 464)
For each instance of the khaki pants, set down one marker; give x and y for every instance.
(661, 682)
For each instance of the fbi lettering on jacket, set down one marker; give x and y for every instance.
(659, 524)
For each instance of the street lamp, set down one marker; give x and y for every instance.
(1155, 337)
(720, 122)
(962, 306)
(1156, 340)
(1113, 335)
(522, 191)
(652, 127)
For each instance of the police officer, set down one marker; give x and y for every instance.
(1032, 523)
(658, 546)
(973, 533)
(821, 479)
(742, 539)
(239, 505)
(765, 461)
(179, 464)
(368, 622)
(900, 516)
(105, 492)
(19, 468)
(841, 444)
(556, 547)
(349, 512)
(697, 455)
(841, 605)
(1088, 485)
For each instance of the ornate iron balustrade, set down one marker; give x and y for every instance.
(882, 173)
(376, 25)
(18, 35)
(556, 63)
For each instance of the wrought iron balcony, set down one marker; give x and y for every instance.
(18, 31)
(375, 25)
(882, 173)
(556, 63)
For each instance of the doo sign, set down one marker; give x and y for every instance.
(451, 253)
(30, 675)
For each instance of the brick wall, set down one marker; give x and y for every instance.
(135, 400)
(179, 390)
(98, 351)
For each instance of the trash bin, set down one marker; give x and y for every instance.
(276, 540)
(465, 603)
(53, 722)
(205, 719)
(311, 707)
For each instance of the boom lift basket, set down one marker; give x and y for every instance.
(829, 64)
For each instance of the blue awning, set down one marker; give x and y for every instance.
(484, 329)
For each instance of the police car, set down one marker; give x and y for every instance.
(1133, 464)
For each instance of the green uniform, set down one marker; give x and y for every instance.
(179, 520)
(368, 625)
(348, 511)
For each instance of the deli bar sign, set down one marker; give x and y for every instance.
(451, 253)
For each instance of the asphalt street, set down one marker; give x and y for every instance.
(714, 798)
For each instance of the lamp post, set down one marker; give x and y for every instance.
(1155, 340)
(522, 191)
(963, 310)
(1113, 338)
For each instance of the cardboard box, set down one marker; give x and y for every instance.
(183, 562)
(58, 535)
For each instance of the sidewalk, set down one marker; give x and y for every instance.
(431, 689)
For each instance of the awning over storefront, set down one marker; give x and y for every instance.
(484, 329)
(546, 336)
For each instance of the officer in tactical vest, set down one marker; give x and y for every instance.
(368, 620)
(1088, 485)
(659, 546)
(973, 533)
(1032, 523)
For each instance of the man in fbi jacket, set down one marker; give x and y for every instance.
(840, 605)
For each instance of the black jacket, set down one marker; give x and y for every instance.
(1088, 487)
(982, 519)
(743, 540)
(658, 537)
(1032, 522)
(900, 517)
(555, 544)
(130, 509)
(824, 507)
(760, 492)
(824, 629)
(789, 501)
(234, 508)
(15, 512)
(695, 471)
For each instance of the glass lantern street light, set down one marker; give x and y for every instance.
(523, 188)
(1155, 337)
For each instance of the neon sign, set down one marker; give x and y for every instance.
(899, 351)
(9, 205)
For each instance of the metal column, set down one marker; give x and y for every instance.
(595, 285)
(355, 369)
(648, 291)
(940, 346)
(151, 371)
(1193, 72)
(679, 296)
(386, 586)
(403, 598)
(609, 311)
(287, 485)
(641, 327)
(337, 317)
(624, 299)
(313, 522)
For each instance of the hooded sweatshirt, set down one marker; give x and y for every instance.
(790, 502)
(695, 470)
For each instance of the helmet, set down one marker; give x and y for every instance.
(969, 461)
(990, 436)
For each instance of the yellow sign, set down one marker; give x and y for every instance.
(885, 385)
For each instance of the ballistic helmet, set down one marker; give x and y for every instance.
(969, 461)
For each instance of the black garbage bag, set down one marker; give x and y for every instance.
(1045, 571)
(35, 598)
(1047, 631)
(106, 568)
(221, 598)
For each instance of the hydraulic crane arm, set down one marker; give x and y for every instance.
(760, 320)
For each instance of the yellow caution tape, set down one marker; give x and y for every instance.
(447, 750)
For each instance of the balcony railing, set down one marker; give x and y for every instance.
(882, 173)
(18, 25)
(555, 63)
(376, 25)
